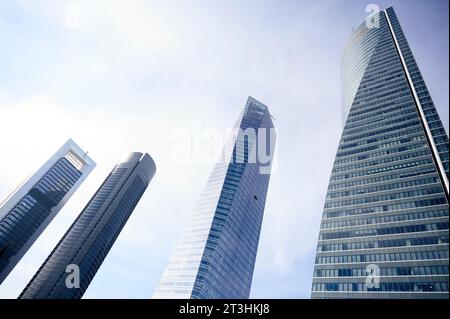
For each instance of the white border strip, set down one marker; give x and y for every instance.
(421, 113)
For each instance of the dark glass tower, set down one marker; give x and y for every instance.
(89, 239)
(216, 254)
(384, 230)
(28, 210)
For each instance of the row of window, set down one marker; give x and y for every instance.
(384, 160)
(402, 103)
(406, 106)
(382, 178)
(15, 230)
(390, 92)
(385, 197)
(385, 208)
(14, 224)
(349, 136)
(383, 257)
(383, 271)
(399, 131)
(385, 231)
(384, 53)
(373, 89)
(386, 87)
(420, 241)
(380, 153)
(383, 145)
(383, 169)
(384, 65)
(384, 219)
(384, 187)
(66, 168)
(384, 286)
(55, 184)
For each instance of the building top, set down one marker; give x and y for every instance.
(69, 150)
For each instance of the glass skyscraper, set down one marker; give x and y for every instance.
(28, 210)
(384, 230)
(85, 245)
(216, 254)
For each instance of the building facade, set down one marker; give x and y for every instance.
(73, 263)
(216, 254)
(28, 210)
(384, 230)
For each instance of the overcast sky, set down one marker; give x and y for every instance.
(120, 76)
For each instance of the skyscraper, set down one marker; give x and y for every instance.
(384, 230)
(216, 254)
(73, 263)
(27, 211)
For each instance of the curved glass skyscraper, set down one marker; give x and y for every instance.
(384, 230)
(216, 254)
(73, 263)
(30, 208)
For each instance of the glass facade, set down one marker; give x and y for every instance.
(384, 230)
(22, 220)
(216, 254)
(91, 236)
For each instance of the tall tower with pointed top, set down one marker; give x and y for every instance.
(216, 254)
(384, 230)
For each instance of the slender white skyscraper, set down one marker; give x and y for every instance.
(27, 211)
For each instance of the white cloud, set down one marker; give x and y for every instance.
(137, 26)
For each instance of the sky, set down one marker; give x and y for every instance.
(121, 76)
